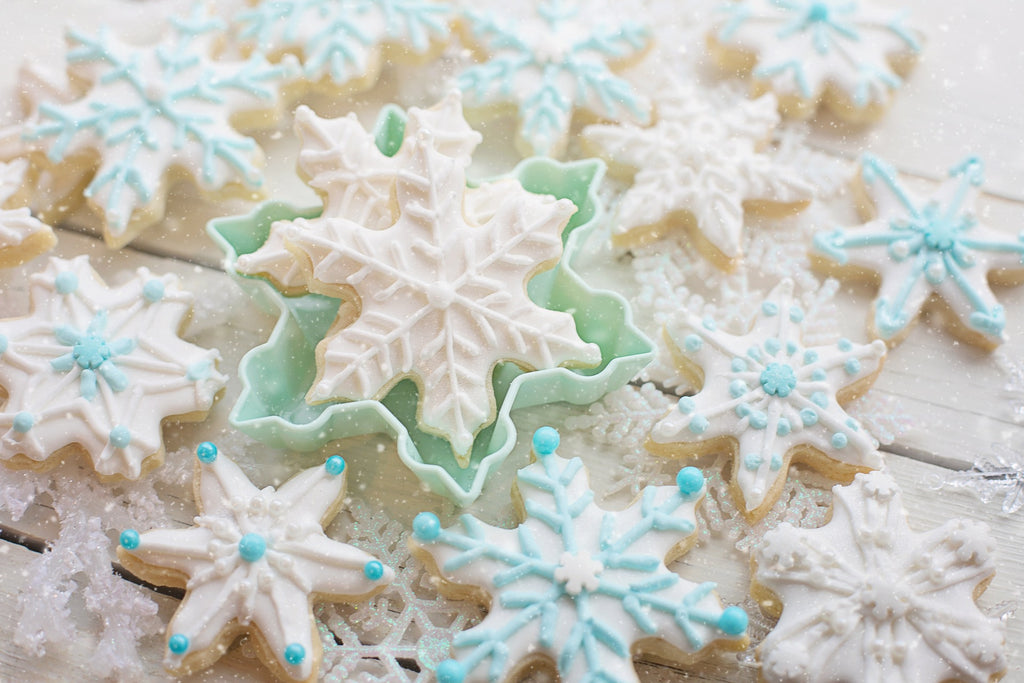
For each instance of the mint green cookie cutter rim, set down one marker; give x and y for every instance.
(602, 317)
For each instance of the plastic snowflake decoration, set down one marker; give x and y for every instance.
(768, 400)
(254, 561)
(98, 369)
(703, 161)
(151, 112)
(22, 237)
(549, 63)
(865, 598)
(440, 299)
(996, 475)
(574, 583)
(927, 249)
(845, 52)
(344, 42)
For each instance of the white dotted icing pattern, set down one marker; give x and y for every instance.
(16, 225)
(866, 599)
(100, 367)
(770, 394)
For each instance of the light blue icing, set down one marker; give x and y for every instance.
(686, 405)
(693, 343)
(738, 388)
(546, 439)
(796, 314)
(120, 436)
(709, 324)
(810, 356)
(776, 463)
(844, 345)
(791, 347)
(783, 427)
(758, 419)
(154, 290)
(653, 593)
(852, 424)
(770, 308)
(819, 398)
(199, 370)
(852, 366)
(94, 355)
(4, 343)
(698, 424)
(295, 654)
(252, 546)
(755, 353)
(935, 239)
(778, 379)
(23, 422)
(819, 375)
(738, 365)
(66, 282)
(752, 461)
(772, 345)
(839, 440)
(809, 416)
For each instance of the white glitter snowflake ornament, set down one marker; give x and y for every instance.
(96, 370)
(769, 400)
(847, 54)
(927, 250)
(574, 585)
(999, 474)
(546, 62)
(254, 562)
(154, 114)
(699, 167)
(440, 300)
(864, 598)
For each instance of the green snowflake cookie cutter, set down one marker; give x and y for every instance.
(272, 409)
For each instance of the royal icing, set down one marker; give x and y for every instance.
(440, 300)
(17, 226)
(100, 368)
(153, 110)
(803, 47)
(575, 583)
(702, 159)
(256, 558)
(549, 60)
(771, 396)
(866, 599)
(343, 41)
(927, 247)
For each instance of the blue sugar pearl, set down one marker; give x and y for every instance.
(178, 644)
(693, 343)
(252, 547)
(335, 465)
(808, 416)
(426, 526)
(295, 654)
(206, 452)
(690, 480)
(129, 539)
(852, 366)
(373, 570)
(450, 671)
(770, 308)
(545, 441)
(120, 436)
(66, 283)
(153, 290)
(23, 422)
(686, 405)
(699, 424)
(733, 621)
(839, 440)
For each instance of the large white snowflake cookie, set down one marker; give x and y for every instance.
(928, 253)
(768, 400)
(847, 54)
(864, 598)
(576, 586)
(96, 370)
(699, 167)
(154, 114)
(546, 61)
(253, 563)
(22, 237)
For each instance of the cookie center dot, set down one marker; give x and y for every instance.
(818, 12)
(885, 601)
(940, 235)
(252, 547)
(579, 572)
(440, 295)
(778, 379)
(91, 352)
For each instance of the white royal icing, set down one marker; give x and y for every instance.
(804, 46)
(100, 367)
(576, 583)
(769, 394)
(699, 158)
(258, 558)
(866, 599)
(16, 225)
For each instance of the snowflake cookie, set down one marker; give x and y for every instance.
(154, 114)
(847, 54)
(547, 61)
(344, 43)
(576, 586)
(769, 400)
(96, 370)
(864, 598)
(927, 253)
(22, 237)
(700, 166)
(253, 563)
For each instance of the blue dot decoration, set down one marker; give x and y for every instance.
(206, 452)
(335, 465)
(690, 481)
(66, 283)
(426, 526)
(295, 654)
(252, 547)
(153, 290)
(178, 644)
(373, 570)
(733, 621)
(129, 539)
(450, 671)
(545, 441)
(23, 422)
(120, 436)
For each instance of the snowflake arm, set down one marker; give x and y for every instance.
(575, 583)
(769, 398)
(864, 597)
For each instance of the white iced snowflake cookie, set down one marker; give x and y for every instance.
(576, 586)
(699, 168)
(547, 61)
(254, 562)
(343, 44)
(154, 114)
(22, 237)
(846, 54)
(928, 253)
(865, 599)
(96, 370)
(769, 400)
